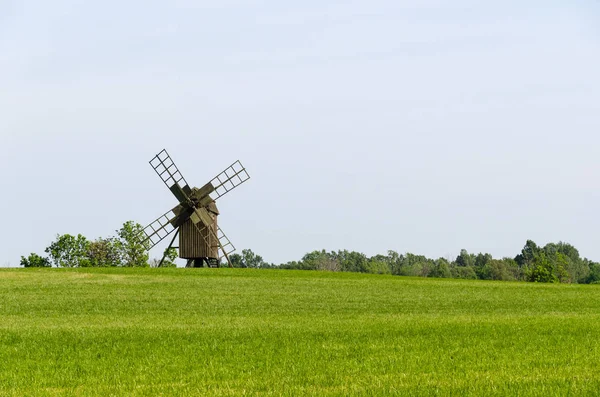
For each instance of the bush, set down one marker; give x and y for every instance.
(34, 260)
(464, 272)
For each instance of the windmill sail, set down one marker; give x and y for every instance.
(168, 172)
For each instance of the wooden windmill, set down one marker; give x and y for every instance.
(194, 219)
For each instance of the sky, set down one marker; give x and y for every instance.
(415, 126)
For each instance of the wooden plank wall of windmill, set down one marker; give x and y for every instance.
(192, 243)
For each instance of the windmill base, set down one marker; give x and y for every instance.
(203, 262)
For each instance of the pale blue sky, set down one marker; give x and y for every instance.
(424, 126)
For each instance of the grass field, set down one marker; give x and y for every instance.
(269, 332)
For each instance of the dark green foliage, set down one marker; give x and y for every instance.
(319, 260)
(547, 270)
(248, 259)
(441, 269)
(465, 259)
(393, 259)
(482, 259)
(554, 263)
(69, 251)
(34, 260)
(170, 254)
(375, 266)
(352, 261)
(527, 254)
(104, 252)
(170, 257)
(414, 265)
(77, 251)
(133, 253)
(464, 272)
(480, 262)
(569, 258)
(236, 260)
(594, 273)
(540, 270)
(294, 265)
(345, 261)
(558, 262)
(499, 269)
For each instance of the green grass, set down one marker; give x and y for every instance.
(260, 332)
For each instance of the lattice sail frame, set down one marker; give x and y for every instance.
(226, 246)
(232, 177)
(166, 169)
(155, 232)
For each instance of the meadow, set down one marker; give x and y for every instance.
(232, 332)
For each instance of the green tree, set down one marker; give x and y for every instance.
(594, 274)
(564, 256)
(316, 260)
(516, 272)
(413, 265)
(236, 260)
(395, 261)
(69, 251)
(441, 269)
(541, 270)
(378, 266)
(544, 270)
(575, 266)
(465, 259)
(560, 267)
(104, 252)
(325, 261)
(480, 262)
(352, 261)
(496, 269)
(248, 259)
(322, 260)
(293, 265)
(133, 253)
(463, 272)
(528, 254)
(34, 260)
(171, 255)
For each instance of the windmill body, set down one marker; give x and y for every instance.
(194, 219)
(200, 245)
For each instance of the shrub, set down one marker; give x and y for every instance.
(34, 260)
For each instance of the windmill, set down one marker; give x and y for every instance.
(194, 219)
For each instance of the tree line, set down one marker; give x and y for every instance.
(553, 263)
(122, 250)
